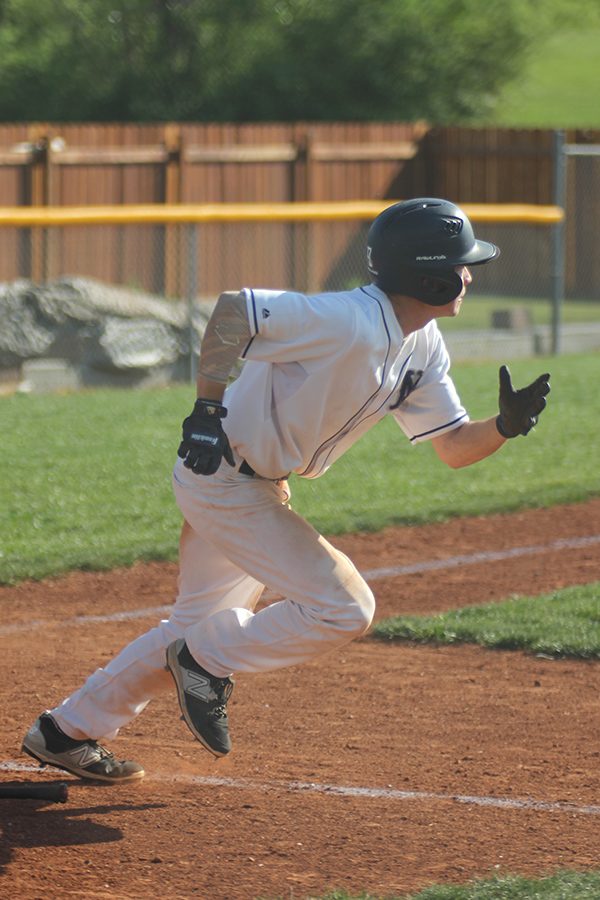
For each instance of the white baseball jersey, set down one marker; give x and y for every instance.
(321, 370)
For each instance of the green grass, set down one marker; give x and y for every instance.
(565, 623)
(476, 312)
(557, 88)
(560, 886)
(86, 478)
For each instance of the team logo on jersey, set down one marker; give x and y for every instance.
(409, 383)
(265, 313)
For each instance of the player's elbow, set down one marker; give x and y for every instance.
(456, 463)
(450, 457)
(451, 449)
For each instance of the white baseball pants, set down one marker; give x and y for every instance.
(239, 535)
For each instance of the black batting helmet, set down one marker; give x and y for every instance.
(414, 246)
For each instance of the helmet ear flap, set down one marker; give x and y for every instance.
(436, 287)
(440, 288)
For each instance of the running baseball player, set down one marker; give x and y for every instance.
(318, 372)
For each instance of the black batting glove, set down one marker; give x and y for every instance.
(204, 442)
(519, 409)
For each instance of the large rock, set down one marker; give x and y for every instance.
(107, 334)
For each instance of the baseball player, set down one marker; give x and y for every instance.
(319, 371)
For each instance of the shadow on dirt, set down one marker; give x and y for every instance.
(40, 823)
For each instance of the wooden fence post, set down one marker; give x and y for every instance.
(172, 195)
(39, 196)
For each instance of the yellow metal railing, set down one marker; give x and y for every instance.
(192, 261)
(196, 250)
(162, 214)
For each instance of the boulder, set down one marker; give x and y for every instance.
(100, 331)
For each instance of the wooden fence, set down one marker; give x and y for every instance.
(96, 164)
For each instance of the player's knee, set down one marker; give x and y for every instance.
(365, 610)
(170, 629)
(355, 615)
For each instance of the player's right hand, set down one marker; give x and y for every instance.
(519, 409)
(204, 442)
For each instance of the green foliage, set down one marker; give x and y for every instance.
(243, 61)
(86, 478)
(565, 623)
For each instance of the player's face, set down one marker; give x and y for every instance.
(453, 308)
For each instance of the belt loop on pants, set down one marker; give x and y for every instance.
(246, 469)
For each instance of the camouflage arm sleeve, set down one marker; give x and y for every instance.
(227, 333)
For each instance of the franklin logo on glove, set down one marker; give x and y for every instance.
(204, 443)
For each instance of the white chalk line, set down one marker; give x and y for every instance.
(369, 575)
(337, 790)
(484, 556)
(128, 615)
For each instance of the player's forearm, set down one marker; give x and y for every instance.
(469, 444)
(209, 390)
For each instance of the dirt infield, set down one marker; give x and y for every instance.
(380, 768)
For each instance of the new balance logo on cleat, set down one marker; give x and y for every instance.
(84, 756)
(47, 743)
(202, 697)
(197, 685)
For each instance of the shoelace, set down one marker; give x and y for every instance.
(223, 691)
(104, 753)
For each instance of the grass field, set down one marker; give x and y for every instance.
(561, 886)
(558, 87)
(86, 477)
(564, 623)
(476, 312)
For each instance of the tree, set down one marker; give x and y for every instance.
(252, 60)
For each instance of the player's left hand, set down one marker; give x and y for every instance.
(519, 409)
(204, 442)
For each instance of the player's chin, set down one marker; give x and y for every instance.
(452, 309)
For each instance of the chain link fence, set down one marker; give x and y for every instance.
(202, 259)
(184, 265)
(581, 189)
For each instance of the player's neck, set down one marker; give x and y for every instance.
(411, 314)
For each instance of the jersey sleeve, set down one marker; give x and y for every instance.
(434, 406)
(288, 326)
